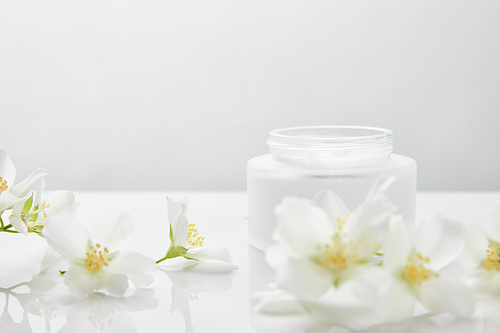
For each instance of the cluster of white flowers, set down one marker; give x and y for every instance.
(94, 259)
(359, 269)
(23, 204)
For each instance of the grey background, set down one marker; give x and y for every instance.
(178, 95)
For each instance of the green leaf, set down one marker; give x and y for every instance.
(27, 205)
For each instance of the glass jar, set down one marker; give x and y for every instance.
(305, 160)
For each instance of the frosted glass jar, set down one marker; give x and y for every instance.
(306, 160)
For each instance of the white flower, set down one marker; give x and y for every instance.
(438, 242)
(320, 244)
(95, 262)
(328, 264)
(34, 213)
(187, 249)
(482, 257)
(11, 194)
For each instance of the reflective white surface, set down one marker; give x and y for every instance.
(184, 302)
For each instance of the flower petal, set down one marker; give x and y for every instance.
(485, 283)
(137, 267)
(61, 203)
(7, 200)
(7, 168)
(397, 246)
(18, 224)
(380, 187)
(302, 226)
(302, 278)
(367, 226)
(441, 239)
(67, 237)
(366, 281)
(211, 252)
(475, 249)
(446, 295)
(178, 221)
(177, 263)
(112, 229)
(212, 259)
(79, 281)
(494, 222)
(331, 203)
(399, 302)
(207, 266)
(21, 189)
(82, 282)
(37, 187)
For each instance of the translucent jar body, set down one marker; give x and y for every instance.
(305, 162)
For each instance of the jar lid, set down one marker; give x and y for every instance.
(330, 145)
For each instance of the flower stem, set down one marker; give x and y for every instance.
(162, 259)
(167, 255)
(6, 229)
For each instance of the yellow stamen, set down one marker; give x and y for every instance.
(193, 237)
(415, 271)
(337, 255)
(492, 261)
(96, 258)
(340, 223)
(42, 209)
(32, 220)
(3, 185)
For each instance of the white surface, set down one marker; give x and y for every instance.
(221, 218)
(154, 95)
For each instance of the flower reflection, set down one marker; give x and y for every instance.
(43, 296)
(30, 298)
(279, 312)
(99, 312)
(187, 285)
(35, 290)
